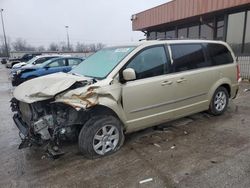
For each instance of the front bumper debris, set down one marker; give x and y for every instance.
(52, 150)
(23, 127)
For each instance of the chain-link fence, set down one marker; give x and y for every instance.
(244, 64)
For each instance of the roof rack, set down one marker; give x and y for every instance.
(168, 38)
(142, 39)
(172, 38)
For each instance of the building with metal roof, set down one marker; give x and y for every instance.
(227, 20)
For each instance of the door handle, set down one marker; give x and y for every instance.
(181, 80)
(166, 83)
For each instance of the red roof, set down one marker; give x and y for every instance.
(181, 9)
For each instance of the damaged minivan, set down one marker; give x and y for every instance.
(119, 90)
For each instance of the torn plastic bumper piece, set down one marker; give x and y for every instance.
(52, 150)
(25, 143)
(23, 127)
(24, 131)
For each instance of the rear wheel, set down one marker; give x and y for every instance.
(100, 136)
(219, 101)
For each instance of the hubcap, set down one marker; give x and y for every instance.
(106, 139)
(220, 101)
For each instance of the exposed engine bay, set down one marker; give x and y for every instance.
(54, 108)
(46, 123)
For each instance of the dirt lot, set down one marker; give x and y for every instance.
(197, 151)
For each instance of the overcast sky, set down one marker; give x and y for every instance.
(41, 22)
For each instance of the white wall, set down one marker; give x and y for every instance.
(77, 54)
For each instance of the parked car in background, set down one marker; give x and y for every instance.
(121, 90)
(4, 60)
(61, 64)
(24, 58)
(35, 61)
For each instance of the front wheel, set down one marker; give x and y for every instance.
(100, 136)
(219, 101)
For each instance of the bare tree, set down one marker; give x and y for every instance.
(3, 52)
(63, 46)
(21, 45)
(95, 47)
(99, 46)
(2, 47)
(40, 48)
(81, 47)
(53, 47)
(92, 47)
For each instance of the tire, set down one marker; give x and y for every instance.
(219, 102)
(96, 134)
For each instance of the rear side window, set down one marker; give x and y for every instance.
(219, 54)
(187, 57)
(73, 62)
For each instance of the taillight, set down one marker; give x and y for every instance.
(238, 73)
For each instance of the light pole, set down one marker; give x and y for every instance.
(5, 41)
(67, 30)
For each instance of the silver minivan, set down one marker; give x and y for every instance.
(123, 89)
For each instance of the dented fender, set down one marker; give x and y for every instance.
(106, 93)
(58, 87)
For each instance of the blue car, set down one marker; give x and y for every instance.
(62, 64)
(34, 61)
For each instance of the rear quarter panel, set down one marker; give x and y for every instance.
(228, 75)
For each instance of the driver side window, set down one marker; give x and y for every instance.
(150, 62)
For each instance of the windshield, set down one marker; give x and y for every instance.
(32, 60)
(100, 64)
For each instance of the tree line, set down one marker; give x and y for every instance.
(22, 45)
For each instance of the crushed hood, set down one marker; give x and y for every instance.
(45, 87)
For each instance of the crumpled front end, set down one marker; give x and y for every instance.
(33, 120)
(54, 108)
(45, 123)
(92, 95)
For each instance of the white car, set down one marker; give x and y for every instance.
(36, 60)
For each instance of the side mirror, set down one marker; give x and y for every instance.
(46, 67)
(129, 74)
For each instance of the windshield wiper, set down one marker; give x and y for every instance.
(94, 80)
(76, 74)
